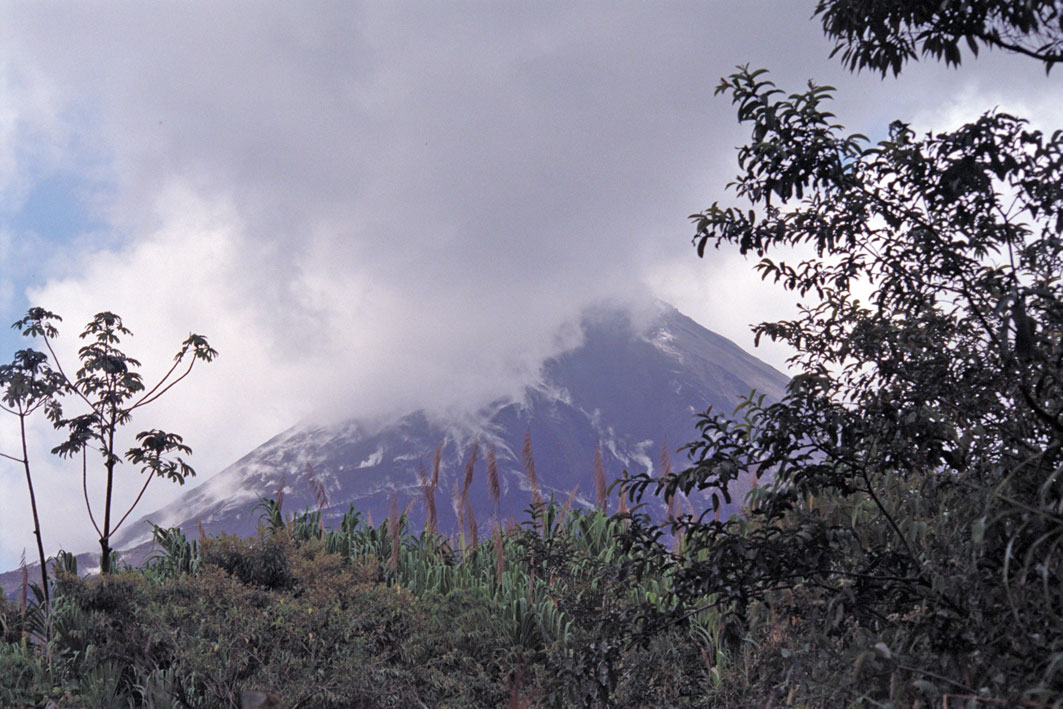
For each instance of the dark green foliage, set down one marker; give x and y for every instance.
(884, 35)
(589, 601)
(260, 561)
(326, 618)
(176, 556)
(908, 522)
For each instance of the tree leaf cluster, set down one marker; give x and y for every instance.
(908, 520)
(883, 36)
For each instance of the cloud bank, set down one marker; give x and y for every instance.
(370, 207)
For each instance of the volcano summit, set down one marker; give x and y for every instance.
(631, 388)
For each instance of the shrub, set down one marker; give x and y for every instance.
(261, 560)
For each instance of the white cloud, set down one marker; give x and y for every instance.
(975, 96)
(7, 286)
(30, 128)
(368, 207)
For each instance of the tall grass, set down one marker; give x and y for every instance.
(546, 607)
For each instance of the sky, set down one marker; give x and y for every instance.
(371, 207)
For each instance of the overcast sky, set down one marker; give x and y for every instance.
(371, 207)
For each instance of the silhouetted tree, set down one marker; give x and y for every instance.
(108, 389)
(883, 36)
(910, 523)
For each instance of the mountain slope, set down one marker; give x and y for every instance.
(633, 389)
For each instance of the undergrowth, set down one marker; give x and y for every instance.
(300, 615)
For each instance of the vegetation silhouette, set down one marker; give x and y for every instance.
(107, 389)
(904, 545)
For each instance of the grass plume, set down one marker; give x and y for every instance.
(474, 529)
(495, 488)
(459, 505)
(317, 487)
(601, 489)
(470, 469)
(428, 489)
(431, 485)
(493, 483)
(528, 457)
(436, 461)
(472, 532)
(393, 530)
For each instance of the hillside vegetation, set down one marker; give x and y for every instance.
(901, 549)
(362, 616)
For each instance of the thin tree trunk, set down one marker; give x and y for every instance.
(33, 508)
(105, 539)
(105, 555)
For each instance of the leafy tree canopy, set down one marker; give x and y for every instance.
(882, 35)
(912, 477)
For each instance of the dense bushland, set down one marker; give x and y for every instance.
(361, 616)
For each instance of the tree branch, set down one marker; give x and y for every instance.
(146, 401)
(85, 490)
(157, 385)
(135, 502)
(1049, 58)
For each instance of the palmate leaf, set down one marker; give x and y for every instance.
(153, 455)
(28, 382)
(81, 430)
(38, 323)
(198, 346)
(105, 328)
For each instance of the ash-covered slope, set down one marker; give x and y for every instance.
(631, 390)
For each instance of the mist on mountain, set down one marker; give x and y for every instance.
(630, 387)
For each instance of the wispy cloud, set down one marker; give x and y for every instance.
(373, 206)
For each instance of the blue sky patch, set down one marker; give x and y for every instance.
(52, 216)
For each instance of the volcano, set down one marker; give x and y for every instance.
(631, 389)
